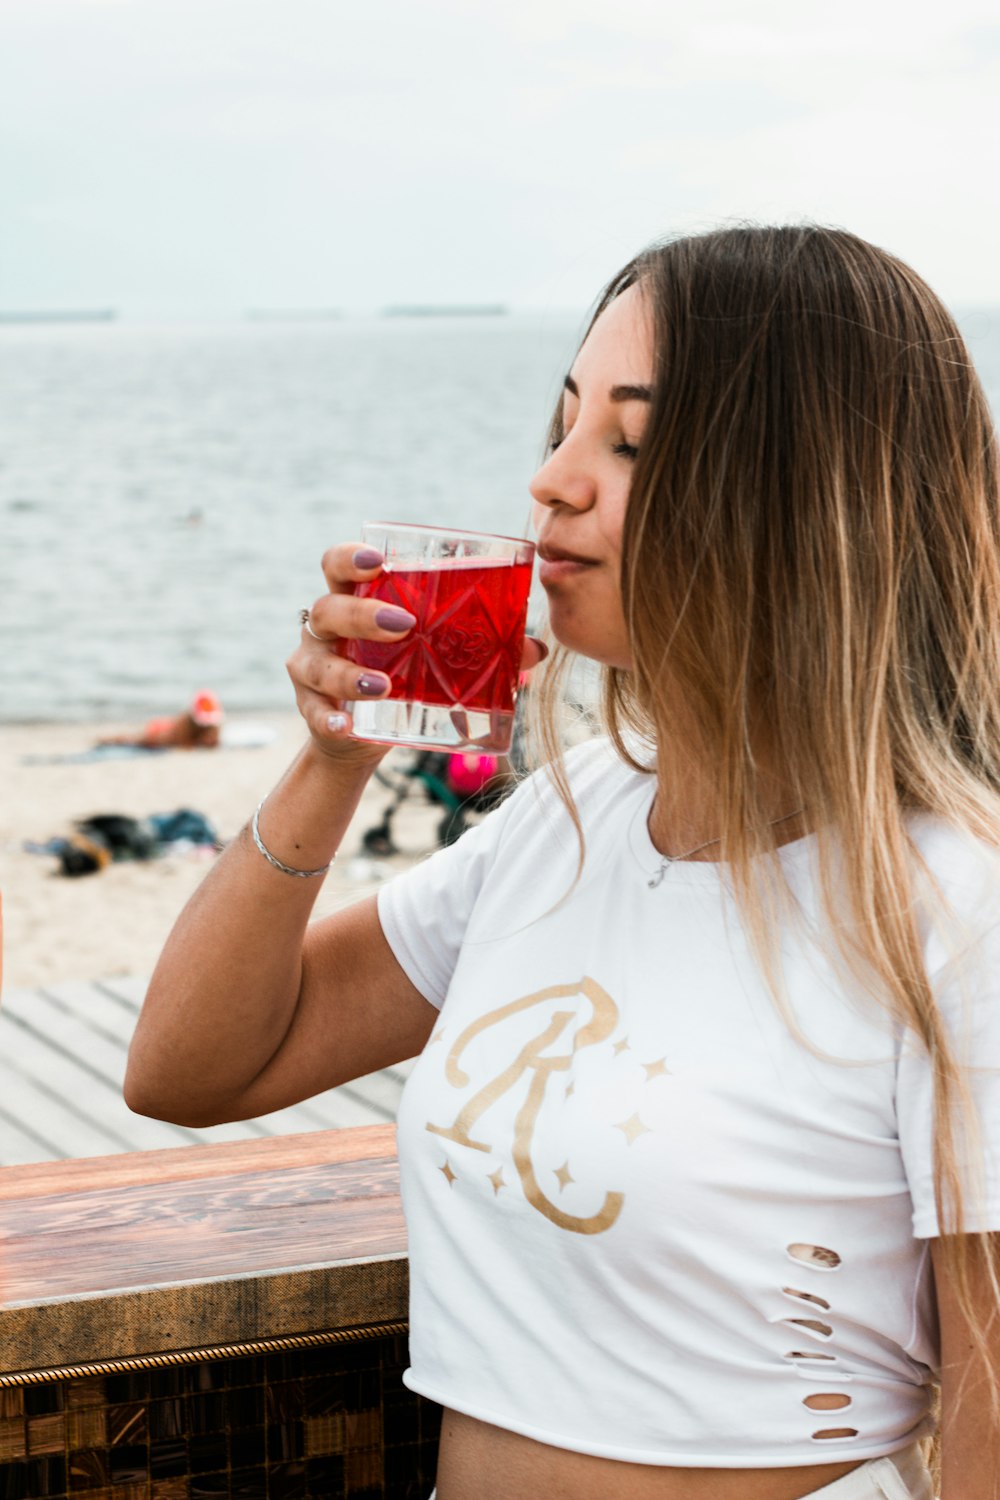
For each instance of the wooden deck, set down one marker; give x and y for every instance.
(62, 1061)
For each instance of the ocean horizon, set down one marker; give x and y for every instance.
(168, 488)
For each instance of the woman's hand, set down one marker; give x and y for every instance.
(323, 677)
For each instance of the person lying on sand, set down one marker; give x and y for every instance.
(197, 728)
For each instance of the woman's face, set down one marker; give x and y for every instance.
(582, 490)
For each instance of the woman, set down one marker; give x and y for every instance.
(197, 728)
(690, 1155)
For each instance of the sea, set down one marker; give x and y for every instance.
(167, 490)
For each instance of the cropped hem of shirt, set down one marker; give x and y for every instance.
(659, 1458)
(984, 1219)
(640, 1204)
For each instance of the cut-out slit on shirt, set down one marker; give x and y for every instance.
(814, 1355)
(827, 1401)
(791, 1291)
(836, 1432)
(816, 1256)
(823, 1330)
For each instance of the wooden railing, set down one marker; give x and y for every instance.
(210, 1321)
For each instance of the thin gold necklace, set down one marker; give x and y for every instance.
(666, 860)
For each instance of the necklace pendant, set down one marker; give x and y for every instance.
(657, 879)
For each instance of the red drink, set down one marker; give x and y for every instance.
(465, 649)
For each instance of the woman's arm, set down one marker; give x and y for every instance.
(970, 1423)
(249, 1009)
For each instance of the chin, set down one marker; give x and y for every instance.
(579, 632)
(601, 653)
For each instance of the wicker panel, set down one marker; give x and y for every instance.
(304, 1423)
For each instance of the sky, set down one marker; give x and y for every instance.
(173, 158)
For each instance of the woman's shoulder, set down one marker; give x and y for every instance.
(601, 787)
(965, 866)
(959, 883)
(594, 771)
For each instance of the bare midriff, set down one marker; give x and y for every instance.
(481, 1462)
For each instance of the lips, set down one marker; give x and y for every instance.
(550, 554)
(559, 566)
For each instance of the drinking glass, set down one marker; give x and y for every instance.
(455, 674)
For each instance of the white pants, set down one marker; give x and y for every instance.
(900, 1476)
(903, 1476)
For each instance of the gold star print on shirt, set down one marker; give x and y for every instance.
(532, 1061)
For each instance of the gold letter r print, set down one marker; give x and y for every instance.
(529, 1060)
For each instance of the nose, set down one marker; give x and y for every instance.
(564, 479)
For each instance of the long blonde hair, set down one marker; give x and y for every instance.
(812, 547)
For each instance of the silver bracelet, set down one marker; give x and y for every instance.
(285, 869)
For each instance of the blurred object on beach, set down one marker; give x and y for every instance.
(245, 735)
(197, 728)
(106, 837)
(91, 929)
(458, 785)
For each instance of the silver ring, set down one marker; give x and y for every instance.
(304, 620)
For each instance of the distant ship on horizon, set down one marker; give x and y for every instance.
(445, 310)
(59, 315)
(293, 314)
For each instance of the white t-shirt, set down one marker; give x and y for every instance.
(646, 1222)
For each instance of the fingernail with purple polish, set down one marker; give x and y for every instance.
(336, 722)
(367, 557)
(372, 687)
(391, 618)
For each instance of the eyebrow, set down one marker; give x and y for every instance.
(617, 392)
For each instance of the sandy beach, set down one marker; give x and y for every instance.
(114, 922)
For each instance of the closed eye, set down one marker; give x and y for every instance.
(625, 450)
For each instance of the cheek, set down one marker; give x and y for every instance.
(612, 525)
